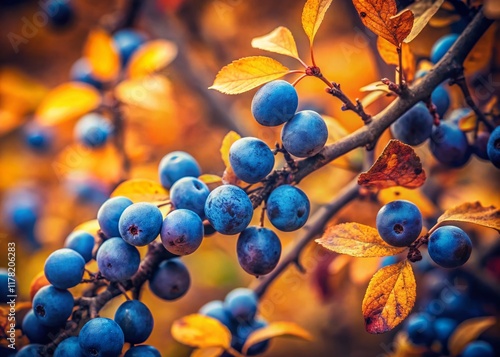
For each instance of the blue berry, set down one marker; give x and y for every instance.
(21, 209)
(37, 137)
(242, 304)
(478, 349)
(101, 337)
(216, 309)
(305, 134)
(35, 330)
(449, 246)
(81, 71)
(182, 232)
(140, 223)
(60, 12)
(251, 159)
(449, 145)
(31, 350)
(275, 103)
(414, 126)
(64, 268)
(420, 329)
(127, 41)
(171, 280)
(443, 328)
(93, 130)
(228, 209)
(246, 329)
(142, 351)
(81, 242)
(109, 214)
(52, 306)
(70, 347)
(442, 46)
(4, 285)
(117, 260)
(135, 320)
(399, 223)
(493, 148)
(441, 99)
(288, 208)
(176, 165)
(259, 250)
(190, 193)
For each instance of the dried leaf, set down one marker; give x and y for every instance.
(141, 190)
(389, 298)
(151, 57)
(471, 212)
(481, 53)
(423, 12)
(67, 101)
(207, 352)
(356, 240)
(247, 73)
(381, 17)
(280, 40)
(468, 331)
(150, 93)
(276, 329)
(102, 55)
(313, 15)
(201, 331)
(389, 54)
(398, 165)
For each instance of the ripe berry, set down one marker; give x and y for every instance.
(135, 320)
(31, 350)
(37, 137)
(441, 99)
(142, 351)
(52, 306)
(449, 246)
(242, 304)
(171, 280)
(60, 12)
(35, 330)
(449, 145)
(443, 328)
(275, 103)
(414, 126)
(190, 193)
(442, 46)
(117, 260)
(176, 165)
(64, 268)
(399, 223)
(217, 310)
(478, 349)
(493, 148)
(127, 41)
(93, 130)
(420, 329)
(140, 223)
(228, 209)
(81, 71)
(81, 242)
(109, 214)
(101, 337)
(251, 159)
(69, 347)
(305, 134)
(259, 250)
(182, 232)
(287, 208)
(246, 329)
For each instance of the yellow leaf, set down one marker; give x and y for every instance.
(481, 53)
(423, 12)
(416, 196)
(280, 40)
(276, 329)
(313, 15)
(467, 332)
(468, 122)
(141, 190)
(370, 98)
(207, 352)
(471, 213)
(228, 140)
(389, 54)
(389, 298)
(381, 17)
(247, 73)
(151, 57)
(102, 55)
(201, 331)
(150, 93)
(356, 240)
(212, 181)
(67, 101)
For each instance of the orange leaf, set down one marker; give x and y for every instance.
(280, 40)
(398, 165)
(423, 11)
(381, 17)
(471, 213)
(276, 329)
(201, 331)
(389, 298)
(151, 57)
(150, 93)
(38, 282)
(313, 15)
(102, 55)
(389, 54)
(468, 122)
(67, 101)
(208, 352)
(142, 190)
(247, 73)
(468, 331)
(356, 240)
